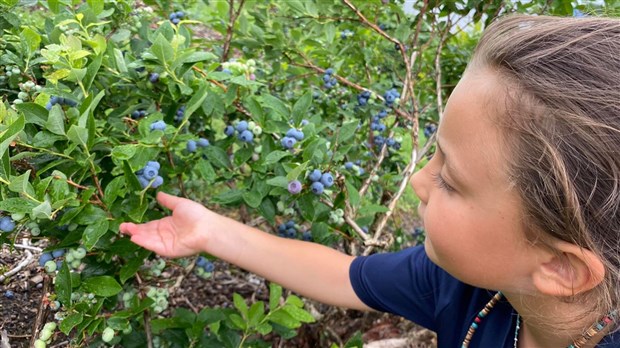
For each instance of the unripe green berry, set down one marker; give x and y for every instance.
(257, 130)
(75, 264)
(107, 335)
(17, 216)
(50, 266)
(39, 344)
(35, 231)
(258, 149)
(45, 335)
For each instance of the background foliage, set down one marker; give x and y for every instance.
(83, 82)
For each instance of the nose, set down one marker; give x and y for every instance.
(417, 182)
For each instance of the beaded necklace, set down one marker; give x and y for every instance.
(590, 332)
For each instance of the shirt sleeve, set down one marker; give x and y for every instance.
(404, 283)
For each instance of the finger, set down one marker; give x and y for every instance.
(127, 228)
(168, 201)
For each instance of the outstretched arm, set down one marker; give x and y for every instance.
(310, 269)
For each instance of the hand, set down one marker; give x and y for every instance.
(177, 235)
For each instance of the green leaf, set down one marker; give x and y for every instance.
(353, 194)
(240, 304)
(372, 209)
(256, 313)
(42, 211)
(299, 314)
(276, 105)
(132, 266)
(56, 120)
(124, 152)
(63, 285)
(238, 321)
(96, 6)
(217, 156)
(206, 171)
(16, 205)
(33, 112)
(275, 292)
(347, 131)
(197, 99)
(163, 50)
(281, 317)
(229, 197)
(21, 184)
(93, 232)
(104, 286)
(264, 328)
(70, 321)
(275, 157)
(300, 109)
(78, 135)
(252, 198)
(279, 181)
(91, 71)
(7, 136)
(306, 206)
(30, 40)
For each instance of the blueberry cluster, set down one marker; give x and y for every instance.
(294, 187)
(158, 125)
(355, 166)
(205, 267)
(329, 80)
(391, 96)
(362, 98)
(60, 101)
(178, 116)
(52, 261)
(136, 114)
(154, 77)
(390, 142)
(48, 260)
(34, 228)
(291, 138)
(245, 131)
(336, 217)
(320, 181)
(159, 297)
(28, 91)
(346, 34)
(45, 335)
(193, 144)
(288, 229)
(376, 124)
(7, 224)
(429, 129)
(175, 17)
(148, 176)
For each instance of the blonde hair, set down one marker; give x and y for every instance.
(562, 120)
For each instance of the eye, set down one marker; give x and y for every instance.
(441, 183)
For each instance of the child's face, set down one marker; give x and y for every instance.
(474, 231)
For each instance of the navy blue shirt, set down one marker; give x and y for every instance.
(407, 283)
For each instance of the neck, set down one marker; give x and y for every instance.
(547, 322)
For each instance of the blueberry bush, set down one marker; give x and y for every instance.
(304, 118)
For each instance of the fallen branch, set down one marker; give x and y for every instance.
(25, 262)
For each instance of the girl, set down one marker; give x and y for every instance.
(522, 197)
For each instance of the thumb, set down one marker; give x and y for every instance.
(168, 201)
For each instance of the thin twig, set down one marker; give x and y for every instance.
(232, 17)
(42, 310)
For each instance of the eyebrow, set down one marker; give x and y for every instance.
(452, 171)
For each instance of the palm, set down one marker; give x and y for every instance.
(177, 235)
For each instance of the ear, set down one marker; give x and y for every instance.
(569, 271)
